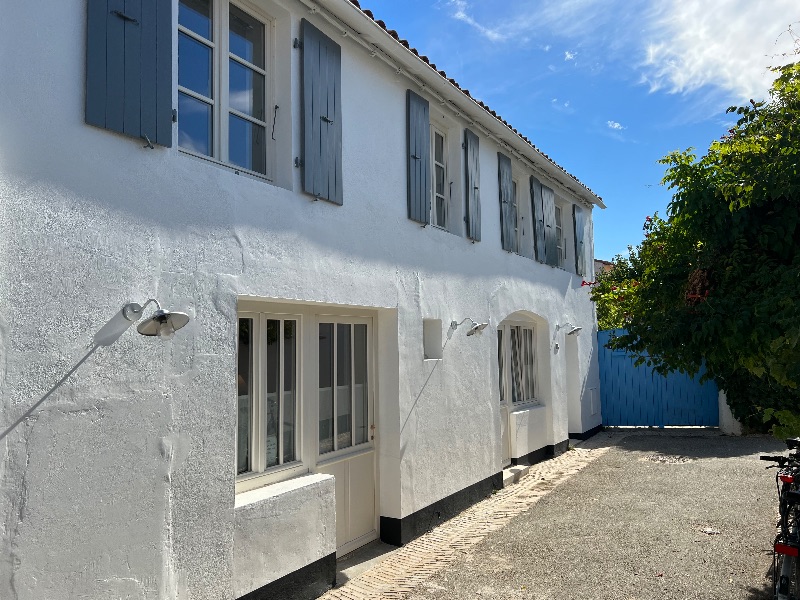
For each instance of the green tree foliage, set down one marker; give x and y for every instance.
(718, 281)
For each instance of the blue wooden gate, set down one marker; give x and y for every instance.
(632, 395)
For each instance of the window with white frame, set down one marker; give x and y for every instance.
(439, 181)
(561, 242)
(223, 83)
(344, 415)
(516, 360)
(267, 382)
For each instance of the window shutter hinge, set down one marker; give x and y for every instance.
(174, 115)
(297, 44)
(297, 162)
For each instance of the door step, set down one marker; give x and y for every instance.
(514, 474)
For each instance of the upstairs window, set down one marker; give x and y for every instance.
(440, 195)
(561, 243)
(223, 84)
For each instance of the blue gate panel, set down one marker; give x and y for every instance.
(638, 396)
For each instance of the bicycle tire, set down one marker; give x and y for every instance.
(786, 586)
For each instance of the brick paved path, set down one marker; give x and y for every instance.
(415, 562)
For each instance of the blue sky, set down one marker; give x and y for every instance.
(606, 87)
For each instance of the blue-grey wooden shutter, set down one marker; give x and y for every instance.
(549, 214)
(129, 68)
(473, 184)
(322, 114)
(418, 135)
(537, 213)
(508, 204)
(579, 221)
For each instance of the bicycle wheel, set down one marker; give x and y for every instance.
(786, 585)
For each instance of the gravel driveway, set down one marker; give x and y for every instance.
(662, 515)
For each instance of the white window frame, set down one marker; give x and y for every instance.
(220, 102)
(260, 474)
(561, 241)
(448, 184)
(369, 444)
(527, 382)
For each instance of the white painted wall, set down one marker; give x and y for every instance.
(282, 528)
(122, 483)
(728, 424)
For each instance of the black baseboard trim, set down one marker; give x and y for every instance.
(541, 454)
(401, 531)
(586, 434)
(306, 583)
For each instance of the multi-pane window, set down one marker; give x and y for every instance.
(560, 241)
(267, 364)
(222, 83)
(439, 180)
(516, 360)
(343, 387)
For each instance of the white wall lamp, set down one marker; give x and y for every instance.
(476, 327)
(163, 323)
(571, 330)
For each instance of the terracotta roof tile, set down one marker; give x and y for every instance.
(392, 33)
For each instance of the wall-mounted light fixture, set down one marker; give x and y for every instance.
(476, 327)
(162, 323)
(571, 330)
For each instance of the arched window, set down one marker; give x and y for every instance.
(516, 360)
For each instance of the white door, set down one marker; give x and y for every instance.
(346, 445)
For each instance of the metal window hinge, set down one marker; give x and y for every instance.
(149, 144)
(297, 162)
(297, 44)
(415, 157)
(326, 119)
(174, 115)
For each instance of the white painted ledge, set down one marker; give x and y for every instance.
(281, 528)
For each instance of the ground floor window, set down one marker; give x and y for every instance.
(516, 361)
(267, 364)
(304, 390)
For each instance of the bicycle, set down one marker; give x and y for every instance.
(786, 548)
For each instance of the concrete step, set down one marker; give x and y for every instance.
(514, 474)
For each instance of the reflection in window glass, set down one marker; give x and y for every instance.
(195, 15)
(273, 416)
(289, 390)
(246, 90)
(325, 387)
(246, 145)
(246, 37)
(194, 65)
(360, 384)
(244, 384)
(194, 124)
(344, 391)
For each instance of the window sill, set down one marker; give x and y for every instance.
(252, 481)
(260, 494)
(526, 406)
(236, 170)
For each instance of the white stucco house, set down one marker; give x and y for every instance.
(383, 280)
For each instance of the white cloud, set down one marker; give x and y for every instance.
(547, 48)
(615, 126)
(679, 47)
(688, 45)
(460, 12)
